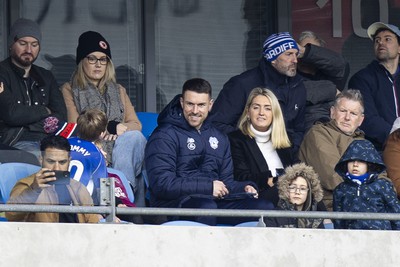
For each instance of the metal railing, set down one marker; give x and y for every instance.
(107, 207)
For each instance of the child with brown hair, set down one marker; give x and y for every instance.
(92, 127)
(299, 190)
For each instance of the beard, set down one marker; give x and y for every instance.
(24, 60)
(289, 71)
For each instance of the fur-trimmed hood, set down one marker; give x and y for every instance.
(308, 173)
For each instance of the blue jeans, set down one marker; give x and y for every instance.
(127, 157)
(29, 146)
(207, 203)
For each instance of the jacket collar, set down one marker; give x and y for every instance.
(33, 72)
(332, 124)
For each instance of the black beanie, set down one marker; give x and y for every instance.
(91, 42)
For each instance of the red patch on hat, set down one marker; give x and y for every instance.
(103, 44)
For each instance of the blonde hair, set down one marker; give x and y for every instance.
(80, 79)
(279, 136)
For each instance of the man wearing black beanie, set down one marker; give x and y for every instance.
(31, 93)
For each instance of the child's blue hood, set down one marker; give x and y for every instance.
(360, 150)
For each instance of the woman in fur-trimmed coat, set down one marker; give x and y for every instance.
(299, 190)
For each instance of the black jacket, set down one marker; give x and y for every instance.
(332, 71)
(249, 163)
(23, 116)
(290, 92)
(330, 65)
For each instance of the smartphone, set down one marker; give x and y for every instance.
(62, 177)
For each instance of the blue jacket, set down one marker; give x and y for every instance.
(182, 162)
(375, 84)
(290, 92)
(373, 195)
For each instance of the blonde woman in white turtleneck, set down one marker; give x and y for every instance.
(261, 148)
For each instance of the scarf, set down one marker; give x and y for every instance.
(91, 98)
(359, 179)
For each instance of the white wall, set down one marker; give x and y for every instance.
(41, 244)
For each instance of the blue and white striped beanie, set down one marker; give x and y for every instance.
(278, 43)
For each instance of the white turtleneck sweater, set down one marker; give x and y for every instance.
(263, 140)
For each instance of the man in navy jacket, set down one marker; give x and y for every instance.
(379, 83)
(277, 71)
(189, 163)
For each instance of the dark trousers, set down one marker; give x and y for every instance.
(245, 204)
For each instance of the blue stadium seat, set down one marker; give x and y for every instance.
(184, 223)
(10, 173)
(149, 122)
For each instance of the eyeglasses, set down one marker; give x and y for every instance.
(302, 190)
(93, 60)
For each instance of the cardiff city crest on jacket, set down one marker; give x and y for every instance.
(213, 142)
(190, 143)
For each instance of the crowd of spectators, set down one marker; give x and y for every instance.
(286, 135)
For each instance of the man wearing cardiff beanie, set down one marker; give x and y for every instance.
(276, 71)
(31, 93)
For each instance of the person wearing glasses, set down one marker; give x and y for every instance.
(299, 190)
(93, 86)
(30, 93)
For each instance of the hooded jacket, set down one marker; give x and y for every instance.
(183, 162)
(373, 195)
(313, 201)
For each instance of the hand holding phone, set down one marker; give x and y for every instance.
(62, 177)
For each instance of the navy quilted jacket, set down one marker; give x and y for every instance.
(182, 162)
(373, 195)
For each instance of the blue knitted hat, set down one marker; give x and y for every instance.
(278, 43)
